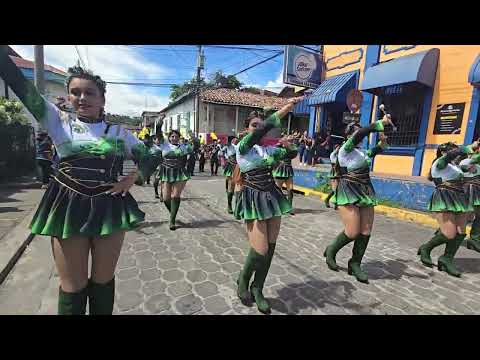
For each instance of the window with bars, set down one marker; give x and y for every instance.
(405, 105)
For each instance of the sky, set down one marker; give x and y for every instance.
(165, 64)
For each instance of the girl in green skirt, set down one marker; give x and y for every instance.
(231, 161)
(262, 203)
(173, 176)
(84, 210)
(283, 175)
(355, 196)
(471, 172)
(450, 203)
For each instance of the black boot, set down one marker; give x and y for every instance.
(72, 303)
(474, 242)
(359, 246)
(332, 250)
(445, 262)
(327, 200)
(101, 297)
(256, 289)
(252, 263)
(168, 204)
(229, 200)
(425, 250)
(290, 200)
(175, 204)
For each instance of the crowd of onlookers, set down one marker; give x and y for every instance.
(313, 150)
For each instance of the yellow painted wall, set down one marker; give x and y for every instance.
(390, 164)
(451, 85)
(428, 157)
(333, 50)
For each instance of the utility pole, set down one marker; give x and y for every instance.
(200, 66)
(39, 73)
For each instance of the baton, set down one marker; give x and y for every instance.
(382, 109)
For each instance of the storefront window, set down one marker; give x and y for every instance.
(405, 104)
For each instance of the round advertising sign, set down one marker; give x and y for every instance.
(354, 100)
(304, 66)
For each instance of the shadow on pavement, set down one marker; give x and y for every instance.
(390, 270)
(318, 294)
(204, 224)
(468, 265)
(9, 209)
(150, 224)
(308, 211)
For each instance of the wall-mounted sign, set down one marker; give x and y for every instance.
(302, 67)
(344, 59)
(354, 100)
(449, 118)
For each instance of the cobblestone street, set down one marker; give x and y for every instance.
(193, 270)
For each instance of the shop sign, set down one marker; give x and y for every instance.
(302, 67)
(449, 118)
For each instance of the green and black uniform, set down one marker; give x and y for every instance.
(260, 199)
(174, 158)
(75, 202)
(471, 171)
(284, 171)
(449, 196)
(354, 187)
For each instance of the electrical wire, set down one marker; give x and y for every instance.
(79, 56)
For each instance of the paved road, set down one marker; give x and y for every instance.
(193, 270)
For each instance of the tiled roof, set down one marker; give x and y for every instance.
(234, 97)
(27, 64)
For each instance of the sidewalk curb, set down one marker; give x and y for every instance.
(396, 213)
(17, 240)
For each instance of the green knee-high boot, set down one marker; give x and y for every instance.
(168, 204)
(175, 204)
(258, 282)
(327, 199)
(332, 250)
(229, 199)
(101, 297)
(252, 263)
(445, 262)
(425, 250)
(72, 303)
(474, 242)
(290, 200)
(359, 246)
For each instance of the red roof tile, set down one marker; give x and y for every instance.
(27, 64)
(235, 97)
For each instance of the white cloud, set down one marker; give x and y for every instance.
(276, 85)
(111, 62)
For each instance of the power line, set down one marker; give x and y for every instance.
(261, 62)
(240, 48)
(79, 56)
(139, 84)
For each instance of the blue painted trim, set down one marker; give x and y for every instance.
(323, 117)
(472, 117)
(401, 150)
(474, 73)
(340, 55)
(402, 48)
(311, 122)
(372, 57)
(427, 107)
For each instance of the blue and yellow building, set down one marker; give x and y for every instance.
(432, 92)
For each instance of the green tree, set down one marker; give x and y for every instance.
(11, 112)
(218, 80)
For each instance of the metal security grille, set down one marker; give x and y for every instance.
(406, 107)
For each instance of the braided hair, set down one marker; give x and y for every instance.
(81, 73)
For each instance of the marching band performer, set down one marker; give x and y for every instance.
(262, 202)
